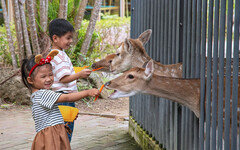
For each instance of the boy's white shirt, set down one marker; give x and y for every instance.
(62, 66)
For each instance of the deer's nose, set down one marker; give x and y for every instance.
(93, 66)
(108, 83)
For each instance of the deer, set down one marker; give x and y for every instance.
(104, 63)
(131, 53)
(146, 81)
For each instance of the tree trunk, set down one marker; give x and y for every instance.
(78, 20)
(33, 28)
(18, 26)
(63, 6)
(24, 27)
(91, 27)
(9, 35)
(61, 9)
(65, 9)
(43, 14)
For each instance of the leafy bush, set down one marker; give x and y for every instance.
(5, 55)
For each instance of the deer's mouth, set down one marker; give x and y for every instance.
(119, 94)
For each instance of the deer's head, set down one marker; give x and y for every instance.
(131, 82)
(105, 63)
(128, 51)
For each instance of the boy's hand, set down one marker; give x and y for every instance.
(84, 73)
(93, 92)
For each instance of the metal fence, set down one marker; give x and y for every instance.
(204, 35)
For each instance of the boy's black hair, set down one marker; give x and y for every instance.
(59, 27)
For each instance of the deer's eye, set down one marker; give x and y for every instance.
(130, 76)
(110, 61)
(118, 54)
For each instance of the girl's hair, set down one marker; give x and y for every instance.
(27, 65)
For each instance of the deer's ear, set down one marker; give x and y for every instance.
(149, 70)
(145, 36)
(128, 46)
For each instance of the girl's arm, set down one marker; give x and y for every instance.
(82, 74)
(72, 97)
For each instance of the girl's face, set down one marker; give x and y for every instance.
(63, 42)
(42, 78)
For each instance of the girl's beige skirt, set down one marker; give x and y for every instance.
(52, 138)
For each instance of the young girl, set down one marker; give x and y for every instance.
(38, 78)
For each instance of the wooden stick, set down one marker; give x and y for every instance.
(10, 77)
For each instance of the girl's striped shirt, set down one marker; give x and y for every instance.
(45, 110)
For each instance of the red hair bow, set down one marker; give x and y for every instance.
(42, 62)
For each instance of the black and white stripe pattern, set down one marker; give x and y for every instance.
(45, 111)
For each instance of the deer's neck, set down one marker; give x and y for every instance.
(139, 60)
(183, 91)
(174, 70)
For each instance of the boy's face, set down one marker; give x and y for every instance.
(63, 42)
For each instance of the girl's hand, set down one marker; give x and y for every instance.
(84, 73)
(93, 92)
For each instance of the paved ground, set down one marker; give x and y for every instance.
(90, 133)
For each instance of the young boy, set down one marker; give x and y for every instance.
(61, 34)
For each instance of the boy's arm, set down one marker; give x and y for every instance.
(82, 74)
(72, 97)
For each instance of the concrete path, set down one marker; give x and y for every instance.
(90, 133)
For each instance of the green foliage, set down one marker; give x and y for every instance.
(53, 8)
(94, 47)
(5, 55)
(112, 21)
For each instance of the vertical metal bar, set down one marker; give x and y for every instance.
(177, 126)
(203, 60)
(215, 75)
(174, 28)
(157, 127)
(177, 119)
(209, 72)
(169, 54)
(173, 105)
(132, 32)
(162, 31)
(165, 32)
(168, 124)
(197, 65)
(193, 40)
(189, 27)
(198, 37)
(169, 47)
(221, 73)
(183, 132)
(178, 26)
(235, 85)
(151, 41)
(132, 19)
(183, 129)
(196, 133)
(171, 116)
(155, 29)
(158, 30)
(184, 37)
(161, 106)
(228, 76)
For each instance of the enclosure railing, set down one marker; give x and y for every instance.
(204, 36)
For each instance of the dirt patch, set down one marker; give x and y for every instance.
(118, 107)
